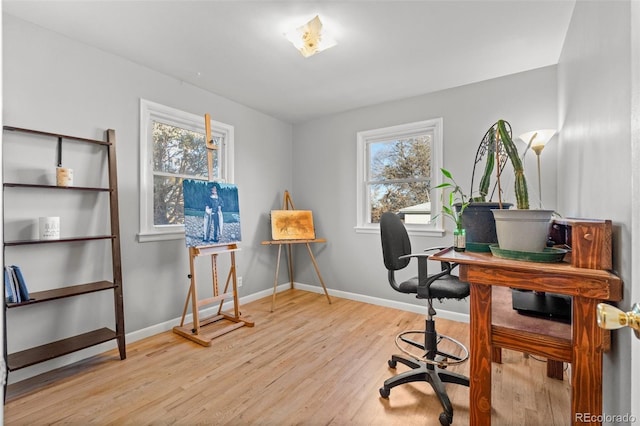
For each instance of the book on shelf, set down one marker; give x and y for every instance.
(16, 290)
(9, 287)
(22, 285)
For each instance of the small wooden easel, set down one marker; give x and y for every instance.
(194, 330)
(287, 204)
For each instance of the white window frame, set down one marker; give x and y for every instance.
(150, 112)
(364, 138)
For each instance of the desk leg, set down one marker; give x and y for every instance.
(586, 369)
(275, 281)
(480, 356)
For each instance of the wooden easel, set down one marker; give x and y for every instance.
(209, 144)
(287, 204)
(194, 331)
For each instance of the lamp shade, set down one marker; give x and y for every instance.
(537, 139)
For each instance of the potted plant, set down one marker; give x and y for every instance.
(518, 229)
(477, 218)
(453, 206)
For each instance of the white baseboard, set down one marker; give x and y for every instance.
(409, 307)
(168, 325)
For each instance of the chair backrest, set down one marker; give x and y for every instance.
(395, 241)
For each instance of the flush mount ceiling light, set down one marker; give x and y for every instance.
(310, 38)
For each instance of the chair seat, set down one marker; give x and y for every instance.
(447, 287)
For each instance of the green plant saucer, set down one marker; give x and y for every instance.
(478, 247)
(549, 255)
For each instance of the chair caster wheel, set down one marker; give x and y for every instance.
(384, 392)
(392, 363)
(445, 420)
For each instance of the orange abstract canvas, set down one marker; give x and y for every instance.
(292, 225)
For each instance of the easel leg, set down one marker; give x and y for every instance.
(195, 331)
(275, 281)
(315, 265)
(214, 273)
(236, 308)
(290, 260)
(194, 295)
(230, 276)
(186, 305)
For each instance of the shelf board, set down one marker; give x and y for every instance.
(71, 188)
(55, 135)
(61, 293)
(61, 240)
(53, 350)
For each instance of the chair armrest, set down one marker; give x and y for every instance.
(424, 279)
(435, 248)
(418, 255)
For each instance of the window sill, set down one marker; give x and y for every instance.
(417, 231)
(148, 237)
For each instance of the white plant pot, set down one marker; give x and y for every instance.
(522, 230)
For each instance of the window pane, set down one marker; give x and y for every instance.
(217, 140)
(400, 159)
(179, 151)
(407, 198)
(168, 208)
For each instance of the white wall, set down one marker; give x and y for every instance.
(635, 155)
(324, 158)
(54, 84)
(2, 336)
(594, 165)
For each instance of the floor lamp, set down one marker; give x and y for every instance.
(536, 140)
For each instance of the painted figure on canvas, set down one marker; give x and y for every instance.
(213, 218)
(211, 213)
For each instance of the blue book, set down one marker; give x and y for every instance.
(14, 284)
(22, 285)
(9, 293)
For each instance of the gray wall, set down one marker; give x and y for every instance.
(594, 162)
(324, 158)
(59, 85)
(54, 84)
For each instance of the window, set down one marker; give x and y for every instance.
(172, 148)
(397, 168)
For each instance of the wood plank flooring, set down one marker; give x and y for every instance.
(307, 363)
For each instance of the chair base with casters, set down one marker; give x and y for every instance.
(425, 370)
(430, 365)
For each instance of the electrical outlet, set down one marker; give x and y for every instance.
(239, 281)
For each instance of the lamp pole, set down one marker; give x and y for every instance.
(538, 150)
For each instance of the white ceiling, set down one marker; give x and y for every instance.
(386, 49)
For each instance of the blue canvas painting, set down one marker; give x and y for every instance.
(211, 213)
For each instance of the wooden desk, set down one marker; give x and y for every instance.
(587, 286)
(288, 243)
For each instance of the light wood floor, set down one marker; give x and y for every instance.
(307, 363)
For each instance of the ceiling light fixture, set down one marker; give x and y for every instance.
(310, 38)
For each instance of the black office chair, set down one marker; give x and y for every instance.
(430, 365)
